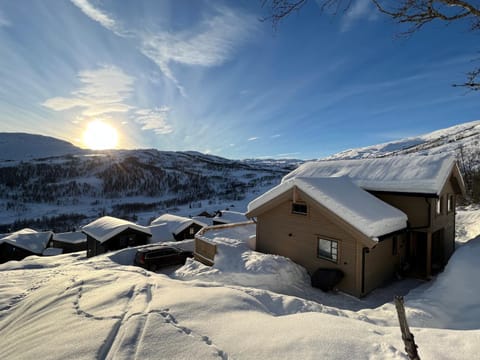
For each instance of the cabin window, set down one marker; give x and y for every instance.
(450, 203)
(438, 208)
(299, 208)
(192, 230)
(328, 249)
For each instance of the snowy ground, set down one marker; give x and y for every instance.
(68, 306)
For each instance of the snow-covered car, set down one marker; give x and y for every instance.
(154, 258)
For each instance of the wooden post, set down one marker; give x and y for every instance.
(407, 336)
(429, 255)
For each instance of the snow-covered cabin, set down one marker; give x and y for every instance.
(229, 217)
(23, 243)
(369, 218)
(69, 241)
(109, 233)
(180, 227)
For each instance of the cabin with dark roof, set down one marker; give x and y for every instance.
(180, 227)
(109, 233)
(69, 241)
(23, 243)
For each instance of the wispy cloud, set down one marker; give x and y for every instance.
(154, 119)
(253, 138)
(359, 10)
(98, 15)
(105, 91)
(275, 136)
(211, 43)
(3, 19)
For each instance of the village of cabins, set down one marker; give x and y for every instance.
(368, 219)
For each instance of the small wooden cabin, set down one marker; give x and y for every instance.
(69, 241)
(23, 243)
(109, 233)
(181, 228)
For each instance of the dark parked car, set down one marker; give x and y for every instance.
(156, 257)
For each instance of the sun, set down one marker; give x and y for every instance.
(100, 136)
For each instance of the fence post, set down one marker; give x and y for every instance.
(407, 336)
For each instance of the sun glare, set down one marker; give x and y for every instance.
(100, 136)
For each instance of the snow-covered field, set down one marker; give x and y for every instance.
(70, 307)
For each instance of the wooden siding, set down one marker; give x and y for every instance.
(188, 233)
(68, 247)
(205, 251)
(296, 236)
(381, 264)
(415, 207)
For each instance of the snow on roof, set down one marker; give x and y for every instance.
(415, 174)
(29, 239)
(51, 251)
(160, 233)
(75, 237)
(227, 217)
(365, 212)
(106, 227)
(176, 223)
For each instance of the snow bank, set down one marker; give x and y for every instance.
(452, 299)
(467, 224)
(236, 264)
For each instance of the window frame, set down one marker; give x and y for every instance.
(299, 203)
(439, 206)
(450, 203)
(334, 245)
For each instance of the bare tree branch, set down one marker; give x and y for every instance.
(416, 13)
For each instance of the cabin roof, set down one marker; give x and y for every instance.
(227, 217)
(73, 237)
(28, 239)
(409, 174)
(176, 223)
(368, 214)
(161, 233)
(106, 227)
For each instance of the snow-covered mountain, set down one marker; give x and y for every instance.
(45, 178)
(465, 136)
(22, 146)
(74, 185)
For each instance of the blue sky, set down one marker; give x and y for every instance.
(209, 76)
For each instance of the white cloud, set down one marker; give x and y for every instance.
(360, 9)
(275, 136)
(154, 119)
(97, 15)
(105, 91)
(253, 138)
(210, 44)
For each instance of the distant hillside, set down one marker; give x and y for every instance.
(61, 191)
(22, 146)
(452, 139)
(461, 140)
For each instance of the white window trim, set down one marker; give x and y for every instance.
(333, 241)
